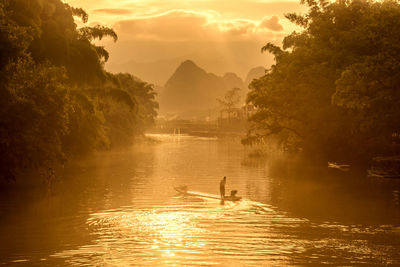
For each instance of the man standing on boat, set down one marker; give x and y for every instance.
(222, 187)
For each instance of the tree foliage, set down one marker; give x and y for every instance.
(231, 99)
(334, 88)
(56, 99)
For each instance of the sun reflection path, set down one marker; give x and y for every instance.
(181, 232)
(186, 232)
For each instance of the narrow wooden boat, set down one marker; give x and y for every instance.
(342, 167)
(380, 174)
(385, 167)
(183, 190)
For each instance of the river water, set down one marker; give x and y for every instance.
(119, 208)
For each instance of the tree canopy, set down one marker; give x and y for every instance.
(334, 88)
(56, 99)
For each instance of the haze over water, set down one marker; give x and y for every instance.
(125, 212)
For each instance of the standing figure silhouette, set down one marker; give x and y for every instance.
(222, 187)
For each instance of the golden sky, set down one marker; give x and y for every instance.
(219, 35)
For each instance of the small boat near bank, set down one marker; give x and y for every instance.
(342, 167)
(378, 174)
(385, 167)
(183, 190)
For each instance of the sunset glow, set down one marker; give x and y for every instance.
(219, 35)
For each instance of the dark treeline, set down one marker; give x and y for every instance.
(334, 91)
(56, 99)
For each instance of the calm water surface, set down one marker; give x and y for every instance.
(120, 209)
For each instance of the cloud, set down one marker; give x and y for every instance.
(271, 24)
(110, 11)
(175, 25)
(237, 27)
(189, 25)
(249, 9)
(221, 35)
(113, 11)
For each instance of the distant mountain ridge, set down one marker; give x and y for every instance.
(191, 88)
(254, 73)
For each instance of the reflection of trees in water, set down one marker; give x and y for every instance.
(321, 194)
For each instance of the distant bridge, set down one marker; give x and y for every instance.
(197, 128)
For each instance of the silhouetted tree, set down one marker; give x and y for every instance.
(334, 87)
(230, 101)
(56, 99)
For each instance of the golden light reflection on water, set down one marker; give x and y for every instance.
(185, 232)
(156, 228)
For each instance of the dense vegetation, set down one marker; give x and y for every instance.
(334, 91)
(56, 99)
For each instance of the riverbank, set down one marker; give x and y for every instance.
(47, 176)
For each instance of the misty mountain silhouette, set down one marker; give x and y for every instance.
(254, 73)
(190, 88)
